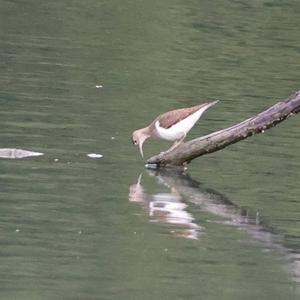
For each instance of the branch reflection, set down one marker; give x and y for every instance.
(170, 208)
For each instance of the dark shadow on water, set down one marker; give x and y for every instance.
(170, 208)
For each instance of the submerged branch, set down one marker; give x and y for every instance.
(218, 140)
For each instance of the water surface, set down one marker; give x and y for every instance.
(76, 79)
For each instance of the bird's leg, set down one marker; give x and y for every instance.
(176, 144)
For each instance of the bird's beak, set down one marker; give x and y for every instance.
(141, 149)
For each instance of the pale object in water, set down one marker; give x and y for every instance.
(17, 153)
(94, 155)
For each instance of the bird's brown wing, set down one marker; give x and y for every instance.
(169, 118)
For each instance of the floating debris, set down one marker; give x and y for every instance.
(12, 153)
(99, 86)
(112, 137)
(56, 159)
(94, 155)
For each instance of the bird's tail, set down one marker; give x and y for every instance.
(210, 104)
(206, 106)
(203, 108)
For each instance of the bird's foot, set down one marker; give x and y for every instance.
(175, 145)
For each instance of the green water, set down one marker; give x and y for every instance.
(73, 227)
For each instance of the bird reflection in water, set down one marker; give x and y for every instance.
(170, 208)
(166, 208)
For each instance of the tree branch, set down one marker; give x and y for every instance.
(218, 140)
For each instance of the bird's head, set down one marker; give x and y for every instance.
(138, 138)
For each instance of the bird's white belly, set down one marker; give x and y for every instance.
(180, 129)
(169, 134)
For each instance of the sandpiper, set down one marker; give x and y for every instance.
(172, 125)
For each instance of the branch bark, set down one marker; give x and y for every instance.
(218, 140)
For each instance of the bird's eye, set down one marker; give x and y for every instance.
(135, 142)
